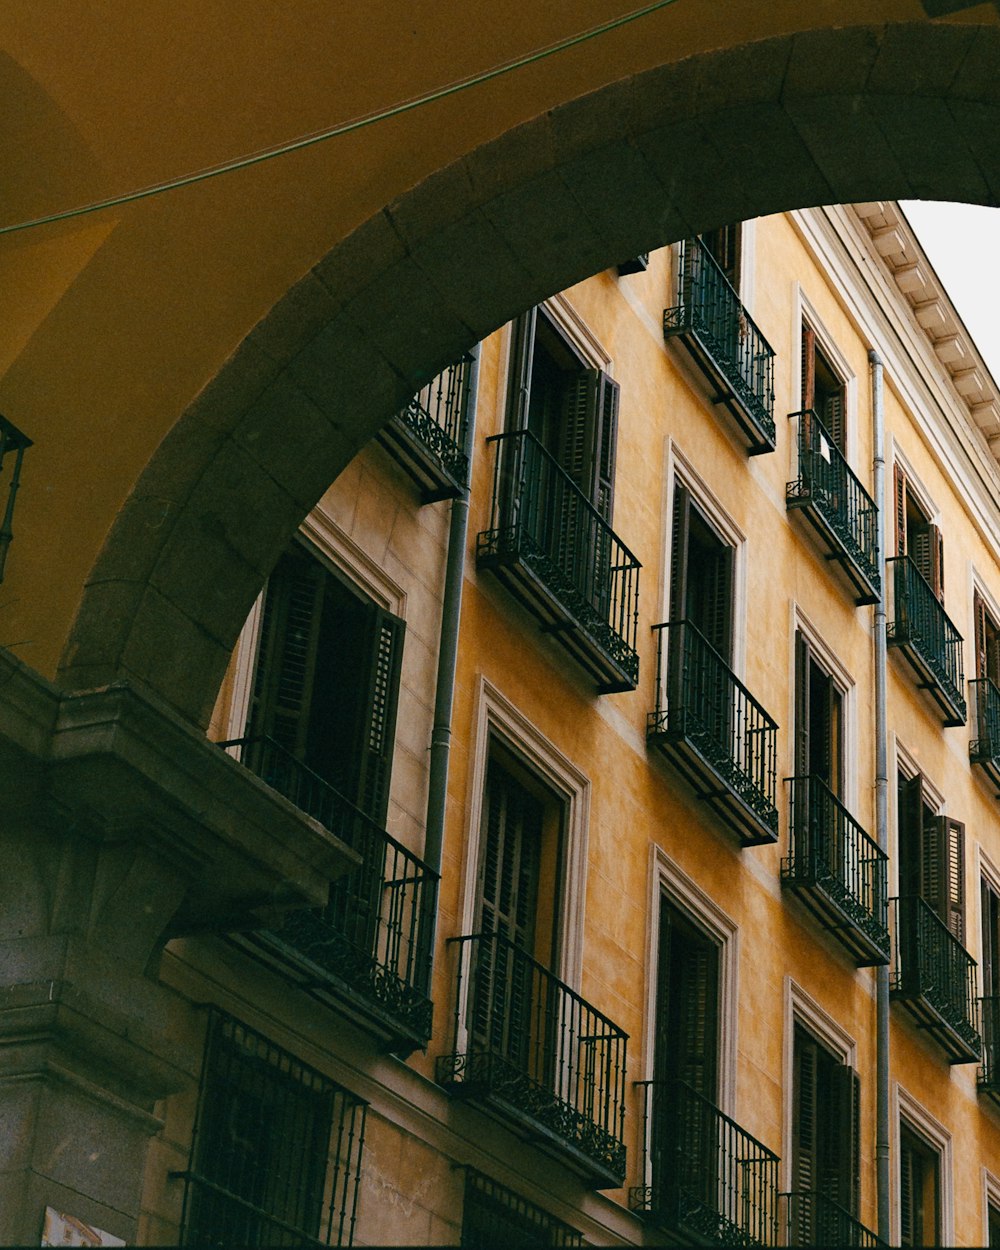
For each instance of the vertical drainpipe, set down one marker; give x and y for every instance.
(451, 609)
(881, 809)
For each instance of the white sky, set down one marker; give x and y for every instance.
(962, 242)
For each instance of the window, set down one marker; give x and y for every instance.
(931, 856)
(819, 720)
(701, 574)
(725, 247)
(495, 1216)
(993, 1225)
(989, 1075)
(570, 408)
(916, 536)
(919, 1190)
(987, 635)
(825, 1142)
(276, 1154)
(822, 389)
(326, 679)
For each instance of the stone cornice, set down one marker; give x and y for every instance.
(905, 261)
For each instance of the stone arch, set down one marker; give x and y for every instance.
(860, 113)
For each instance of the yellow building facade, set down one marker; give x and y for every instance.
(662, 799)
(545, 869)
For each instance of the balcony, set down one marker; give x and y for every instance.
(716, 734)
(13, 444)
(427, 438)
(988, 1077)
(934, 978)
(369, 949)
(710, 1182)
(529, 1048)
(926, 637)
(837, 506)
(558, 557)
(837, 871)
(725, 344)
(984, 749)
(812, 1219)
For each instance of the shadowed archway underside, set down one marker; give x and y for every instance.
(862, 113)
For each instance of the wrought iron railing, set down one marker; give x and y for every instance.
(709, 707)
(524, 1039)
(812, 1219)
(276, 1150)
(541, 518)
(374, 935)
(826, 483)
(494, 1216)
(438, 415)
(985, 746)
(707, 1178)
(989, 1069)
(934, 972)
(921, 625)
(830, 852)
(709, 308)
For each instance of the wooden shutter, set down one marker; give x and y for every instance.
(832, 417)
(955, 841)
(679, 544)
(942, 871)
(509, 859)
(899, 494)
(910, 834)
(910, 1223)
(808, 367)
(607, 446)
(979, 627)
(377, 735)
(805, 1099)
(519, 379)
(803, 662)
(687, 1004)
(928, 555)
(287, 650)
(844, 1137)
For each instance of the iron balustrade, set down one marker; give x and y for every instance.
(526, 1041)
(984, 748)
(541, 520)
(847, 514)
(373, 937)
(494, 1216)
(438, 416)
(729, 345)
(989, 1069)
(708, 1178)
(839, 869)
(930, 641)
(276, 1149)
(935, 977)
(709, 711)
(811, 1218)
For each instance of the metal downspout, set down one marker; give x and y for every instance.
(451, 609)
(881, 809)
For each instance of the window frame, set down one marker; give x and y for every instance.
(680, 468)
(920, 1122)
(804, 312)
(498, 720)
(829, 661)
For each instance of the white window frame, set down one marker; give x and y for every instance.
(846, 687)
(328, 542)
(920, 1121)
(498, 720)
(991, 1197)
(804, 310)
(681, 467)
(799, 1007)
(668, 879)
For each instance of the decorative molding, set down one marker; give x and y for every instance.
(800, 1007)
(920, 1121)
(498, 719)
(580, 335)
